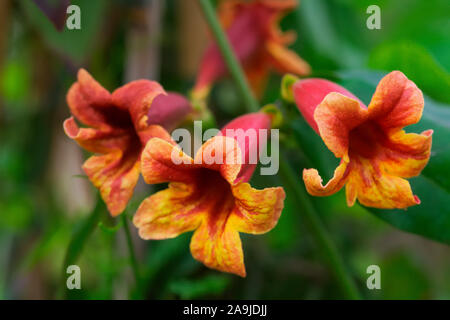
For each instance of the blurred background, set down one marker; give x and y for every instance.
(45, 199)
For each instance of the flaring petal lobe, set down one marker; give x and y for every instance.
(218, 245)
(221, 154)
(407, 153)
(313, 181)
(374, 188)
(168, 213)
(136, 97)
(95, 140)
(155, 131)
(256, 211)
(397, 102)
(287, 61)
(115, 174)
(336, 116)
(86, 99)
(162, 161)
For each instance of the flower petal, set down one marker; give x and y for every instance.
(155, 131)
(257, 73)
(248, 130)
(227, 10)
(313, 181)
(95, 140)
(397, 102)
(216, 242)
(287, 61)
(168, 110)
(309, 93)
(406, 154)
(221, 154)
(169, 213)
(162, 161)
(374, 188)
(336, 116)
(249, 26)
(256, 211)
(89, 101)
(245, 38)
(136, 97)
(115, 174)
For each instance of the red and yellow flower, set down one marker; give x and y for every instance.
(253, 32)
(376, 154)
(117, 126)
(213, 198)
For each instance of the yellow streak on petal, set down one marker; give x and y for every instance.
(409, 155)
(115, 177)
(221, 251)
(168, 213)
(257, 211)
(379, 190)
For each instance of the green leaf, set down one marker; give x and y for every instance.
(431, 218)
(322, 43)
(82, 234)
(417, 64)
(398, 270)
(75, 44)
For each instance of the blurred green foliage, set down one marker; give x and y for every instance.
(71, 44)
(417, 64)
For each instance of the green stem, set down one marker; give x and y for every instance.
(82, 234)
(80, 238)
(229, 56)
(133, 259)
(318, 231)
(321, 237)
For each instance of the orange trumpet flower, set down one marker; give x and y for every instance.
(376, 154)
(118, 126)
(211, 197)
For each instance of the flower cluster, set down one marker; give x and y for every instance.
(128, 130)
